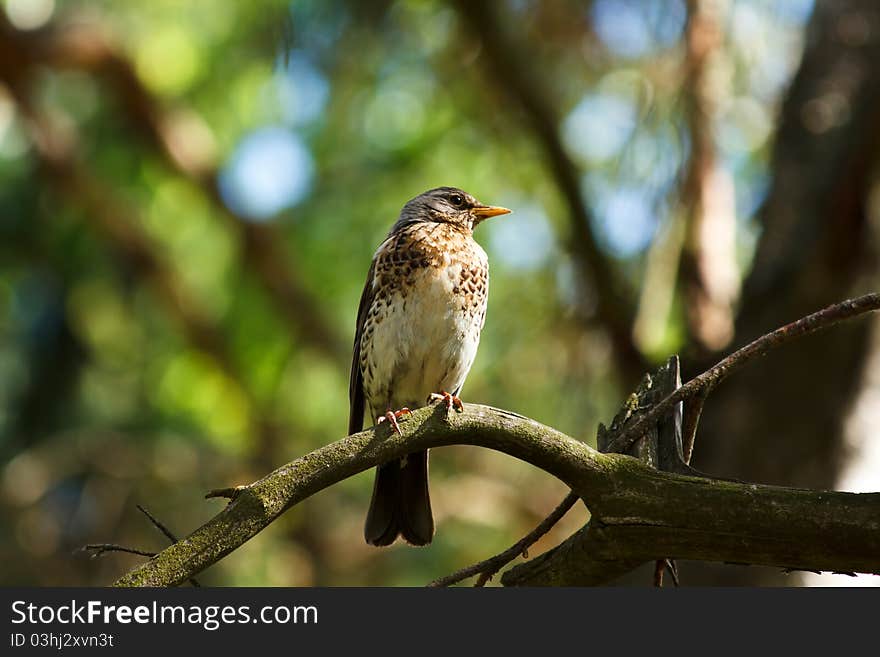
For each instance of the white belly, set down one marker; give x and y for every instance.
(424, 345)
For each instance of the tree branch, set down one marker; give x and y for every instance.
(638, 514)
(254, 507)
(704, 383)
(648, 450)
(488, 567)
(775, 526)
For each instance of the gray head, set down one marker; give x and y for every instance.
(448, 205)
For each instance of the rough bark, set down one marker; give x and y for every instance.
(641, 514)
(691, 519)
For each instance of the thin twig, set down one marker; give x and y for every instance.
(168, 534)
(659, 567)
(708, 380)
(229, 493)
(668, 566)
(97, 549)
(486, 569)
(697, 395)
(162, 528)
(691, 420)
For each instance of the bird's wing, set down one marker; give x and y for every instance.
(356, 380)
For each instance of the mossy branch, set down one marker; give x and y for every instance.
(639, 514)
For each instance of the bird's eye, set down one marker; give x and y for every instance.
(457, 200)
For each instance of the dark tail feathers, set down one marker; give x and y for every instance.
(401, 504)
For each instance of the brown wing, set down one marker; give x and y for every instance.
(356, 379)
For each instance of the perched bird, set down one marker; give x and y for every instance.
(418, 327)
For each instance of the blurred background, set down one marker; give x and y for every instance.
(190, 195)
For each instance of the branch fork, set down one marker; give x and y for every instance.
(638, 513)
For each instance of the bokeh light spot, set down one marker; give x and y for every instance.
(25, 479)
(523, 240)
(632, 28)
(625, 219)
(394, 118)
(271, 170)
(599, 126)
(744, 126)
(300, 90)
(168, 61)
(29, 14)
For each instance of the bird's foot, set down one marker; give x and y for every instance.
(451, 401)
(392, 417)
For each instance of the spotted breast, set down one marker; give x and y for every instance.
(418, 327)
(421, 333)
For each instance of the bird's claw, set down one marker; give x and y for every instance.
(392, 417)
(450, 400)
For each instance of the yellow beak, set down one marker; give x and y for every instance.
(486, 211)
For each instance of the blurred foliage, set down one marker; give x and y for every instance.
(323, 117)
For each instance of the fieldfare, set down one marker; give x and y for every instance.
(418, 327)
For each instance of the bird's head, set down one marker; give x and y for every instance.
(448, 205)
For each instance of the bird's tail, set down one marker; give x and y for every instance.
(401, 504)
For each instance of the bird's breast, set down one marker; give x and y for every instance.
(423, 327)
